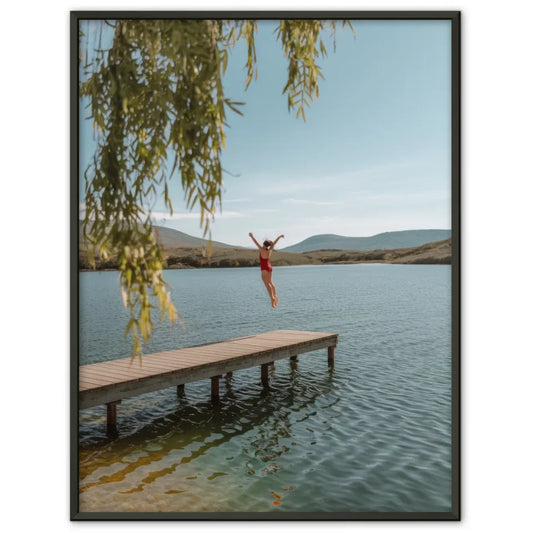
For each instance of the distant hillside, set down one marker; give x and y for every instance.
(184, 251)
(435, 253)
(171, 238)
(432, 253)
(382, 241)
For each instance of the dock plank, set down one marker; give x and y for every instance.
(117, 374)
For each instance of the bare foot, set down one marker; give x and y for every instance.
(275, 301)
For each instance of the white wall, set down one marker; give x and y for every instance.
(497, 287)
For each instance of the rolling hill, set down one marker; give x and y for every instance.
(382, 241)
(434, 253)
(171, 238)
(184, 251)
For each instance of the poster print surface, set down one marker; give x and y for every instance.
(266, 262)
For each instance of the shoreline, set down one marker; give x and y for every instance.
(214, 267)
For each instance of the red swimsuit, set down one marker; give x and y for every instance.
(264, 262)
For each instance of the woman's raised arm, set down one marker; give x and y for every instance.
(276, 241)
(253, 239)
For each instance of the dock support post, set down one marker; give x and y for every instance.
(294, 362)
(214, 389)
(228, 380)
(331, 356)
(264, 375)
(112, 428)
(181, 390)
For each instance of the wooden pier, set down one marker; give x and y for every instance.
(110, 382)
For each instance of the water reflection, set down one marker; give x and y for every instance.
(239, 411)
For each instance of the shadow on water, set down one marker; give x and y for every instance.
(209, 424)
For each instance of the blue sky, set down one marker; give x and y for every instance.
(372, 156)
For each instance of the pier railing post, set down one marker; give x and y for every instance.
(331, 356)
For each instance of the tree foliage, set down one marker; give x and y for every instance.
(156, 96)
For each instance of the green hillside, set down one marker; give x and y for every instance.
(382, 241)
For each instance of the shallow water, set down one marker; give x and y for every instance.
(372, 435)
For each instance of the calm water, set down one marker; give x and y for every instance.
(371, 435)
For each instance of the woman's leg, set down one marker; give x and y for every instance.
(273, 289)
(265, 277)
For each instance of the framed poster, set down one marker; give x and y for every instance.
(265, 273)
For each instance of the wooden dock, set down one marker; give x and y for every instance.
(110, 382)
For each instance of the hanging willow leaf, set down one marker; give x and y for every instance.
(158, 91)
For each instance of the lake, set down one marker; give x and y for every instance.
(372, 435)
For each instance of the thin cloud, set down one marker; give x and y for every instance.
(290, 187)
(156, 215)
(386, 167)
(295, 184)
(162, 216)
(403, 199)
(308, 202)
(237, 200)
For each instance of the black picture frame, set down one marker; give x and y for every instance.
(455, 18)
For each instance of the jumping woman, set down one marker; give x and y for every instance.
(265, 252)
